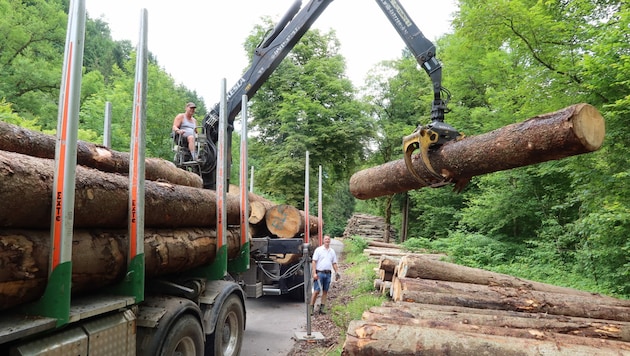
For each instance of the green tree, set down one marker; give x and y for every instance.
(307, 104)
(31, 53)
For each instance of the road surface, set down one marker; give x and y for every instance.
(273, 321)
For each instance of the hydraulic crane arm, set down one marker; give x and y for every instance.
(275, 47)
(437, 132)
(267, 56)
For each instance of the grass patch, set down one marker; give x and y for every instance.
(361, 295)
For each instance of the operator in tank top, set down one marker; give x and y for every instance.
(185, 125)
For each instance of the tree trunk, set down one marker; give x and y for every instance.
(427, 285)
(553, 304)
(101, 199)
(538, 332)
(407, 314)
(33, 143)
(371, 338)
(427, 267)
(571, 131)
(99, 258)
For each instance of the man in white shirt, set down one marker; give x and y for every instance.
(324, 265)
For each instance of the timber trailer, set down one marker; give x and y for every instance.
(200, 311)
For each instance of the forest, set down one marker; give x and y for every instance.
(564, 222)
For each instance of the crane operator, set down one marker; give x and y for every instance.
(185, 125)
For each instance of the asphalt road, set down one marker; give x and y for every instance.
(273, 321)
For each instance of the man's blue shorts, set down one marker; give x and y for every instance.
(324, 279)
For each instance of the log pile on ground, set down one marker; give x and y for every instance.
(368, 226)
(440, 308)
(179, 217)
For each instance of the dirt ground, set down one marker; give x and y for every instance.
(338, 294)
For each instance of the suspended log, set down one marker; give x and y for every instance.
(408, 313)
(101, 199)
(426, 267)
(99, 258)
(372, 338)
(38, 144)
(571, 131)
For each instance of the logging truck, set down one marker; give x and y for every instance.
(75, 282)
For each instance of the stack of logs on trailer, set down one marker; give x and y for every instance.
(440, 308)
(179, 220)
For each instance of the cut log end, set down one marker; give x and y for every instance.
(589, 126)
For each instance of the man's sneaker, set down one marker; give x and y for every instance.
(322, 310)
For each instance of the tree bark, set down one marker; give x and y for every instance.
(556, 305)
(427, 285)
(571, 131)
(101, 199)
(538, 332)
(372, 338)
(427, 267)
(594, 328)
(99, 258)
(33, 143)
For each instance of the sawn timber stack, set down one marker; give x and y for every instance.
(571, 131)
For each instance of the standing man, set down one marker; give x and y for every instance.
(324, 265)
(185, 125)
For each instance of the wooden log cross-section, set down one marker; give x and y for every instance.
(571, 131)
(34, 143)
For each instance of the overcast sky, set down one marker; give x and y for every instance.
(200, 42)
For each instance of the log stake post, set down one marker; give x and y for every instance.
(218, 268)
(308, 280)
(133, 283)
(308, 335)
(55, 303)
(241, 263)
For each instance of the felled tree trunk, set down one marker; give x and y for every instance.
(33, 143)
(541, 333)
(372, 338)
(101, 199)
(571, 131)
(427, 267)
(411, 312)
(552, 304)
(99, 258)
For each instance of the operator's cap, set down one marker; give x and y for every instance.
(191, 105)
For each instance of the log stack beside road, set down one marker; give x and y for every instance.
(440, 308)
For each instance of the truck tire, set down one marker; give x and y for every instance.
(227, 338)
(185, 338)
